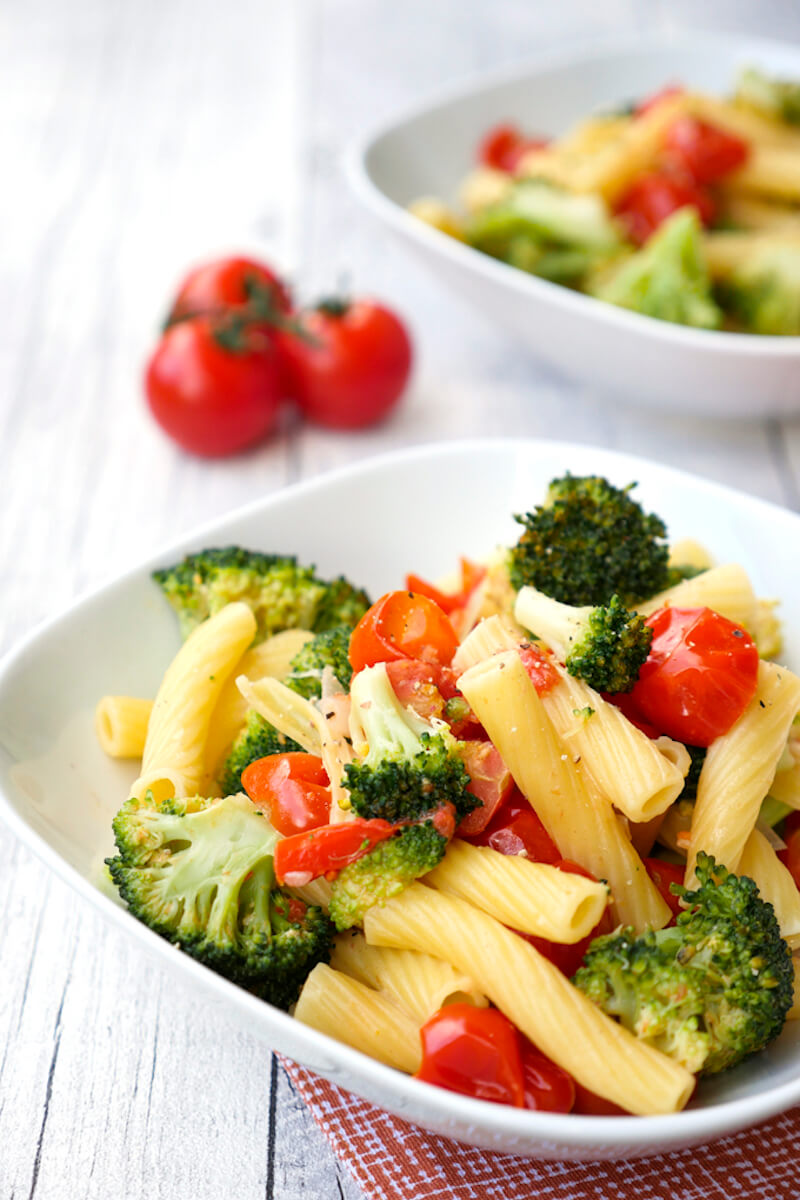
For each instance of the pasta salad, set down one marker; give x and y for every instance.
(682, 206)
(529, 833)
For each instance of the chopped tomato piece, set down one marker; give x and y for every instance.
(656, 195)
(472, 574)
(515, 829)
(293, 789)
(415, 684)
(402, 625)
(790, 856)
(504, 145)
(704, 151)
(589, 1104)
(663, 874)
(548, 1087)
(699, 677)
(539, 666)
(327, 850)
(474, 1051)
(489, 779)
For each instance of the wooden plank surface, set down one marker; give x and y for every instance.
(137, 138)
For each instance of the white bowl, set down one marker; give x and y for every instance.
(373, 522)
(430, 149)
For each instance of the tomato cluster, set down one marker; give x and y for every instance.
(234, 351)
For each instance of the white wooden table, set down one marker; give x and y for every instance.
(137, 138)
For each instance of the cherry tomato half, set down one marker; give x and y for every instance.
(292, 788)
(416, 685)
(515, 829)
(230, 283)
(489, 779)
(213, 389)
(663, 874)
(589, 1104)
(706, 152)
(503, 146)
(327, 849)
(402, 625)
(349, 365)
(790, 856)
(700, 674)
(472, 574)
(548, 1087)
(474, 1051)
(656, 195)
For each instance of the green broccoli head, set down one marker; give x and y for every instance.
(775, 98)
(668, 278)
(281, 593)
(258, 739)
(328, 649)
(605, 645)
(708, 991)
(764, 292)
(384, 872)
(589, 542)
(411, 767)
(199, 872)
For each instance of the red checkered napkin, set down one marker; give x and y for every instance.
(392, 1160)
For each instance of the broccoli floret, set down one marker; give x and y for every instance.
(589, 542)
(668, 278)
(411, 767)
(763, 294)
(258, 739)
(328, 649)
(200, 873)
(776, 98)
(384, 872)
(605, 645)
(708, 991)
(281, 593)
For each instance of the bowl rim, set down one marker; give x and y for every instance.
(635, 1134)
(572, 55)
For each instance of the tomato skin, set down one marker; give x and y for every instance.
(656, 195)
(704, 151)
(540, 669)
(327, 849)
(402, 625)
(474, 1051)
(503, 146)
(489, 779)
(548, 1087)
(790, 856)
(663, 874)
(292, 788)
(472, 575)
(349, 366)
(700, 675)
(229, 283)
(514, 828)
(210, 400)
(589, 1104)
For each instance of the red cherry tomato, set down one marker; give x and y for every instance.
(402, 625)
(650, 102)
(230, 283)
(699, 677)
(349, 365)
(656, 195)
(213, 390)
(474, 1051)
(415, 684)
(790, 856)
(704, 151)
(515, 829)
(589, 1104)
(327, 849)
(472, 574)
(548, 1087)
(489, 779)
(292, 788)
(504, 145)
(623, 702)
(663, 874)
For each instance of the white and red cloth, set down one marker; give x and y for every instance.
(392, 1160)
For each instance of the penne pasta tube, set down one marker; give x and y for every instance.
(775, 883)
(360, 1017)
(726, 589)
(529, 896)
(532, 993)
(739, 768)
(577, 817)
(770, 171)
(173, 762)
(121, 725)
(419, 983)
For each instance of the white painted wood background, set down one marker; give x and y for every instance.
(138, 137)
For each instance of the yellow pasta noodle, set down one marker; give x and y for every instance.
(360, 1017)
(739, 768)
(533, 897)
(532, 993)
(726, 589)
(121, 725)
(173, 762)
(775, 883)
(419, 983)
(577, 817)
